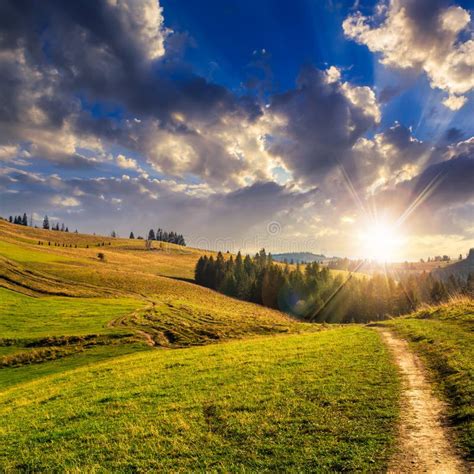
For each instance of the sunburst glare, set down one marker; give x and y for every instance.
(381, 241)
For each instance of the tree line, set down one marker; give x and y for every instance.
(164, 236)
(160, 234)
(47, 226)
(313, 293)
(23, 220)
(20, 220)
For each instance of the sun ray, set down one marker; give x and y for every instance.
(352, 190)
(336, 291)
(423, 195)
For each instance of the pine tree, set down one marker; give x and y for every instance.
(10, 219)
(199, 271)
(229, 285)
(24, 220)
(45, 222)
(131, 235)
(151, 235)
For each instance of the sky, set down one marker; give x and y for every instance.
(311, 125)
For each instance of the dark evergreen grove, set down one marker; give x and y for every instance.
(313, 293)
(23, 220)
(20, 220)
(164, 236)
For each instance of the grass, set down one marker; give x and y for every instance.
(443, 336)
(18, 253)
(78, 294)
(80, 390)
(23, 317)
(323, 401)
(12, 376)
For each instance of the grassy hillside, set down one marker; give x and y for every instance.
(323, 401)
(444, 338)
(84, 388)
(78, 368)
(52, 293)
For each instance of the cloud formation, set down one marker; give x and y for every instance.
(99, 93)
(317, 124)
(99, 75)
(422, 35)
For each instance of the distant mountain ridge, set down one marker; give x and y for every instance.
(299, 257)
(460, 269)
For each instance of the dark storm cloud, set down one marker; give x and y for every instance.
(266, 197)
(425, 14)
(57, 53)
(453, 134)
(322, 124)
(99, 55)
(439, 198)
(453, 180)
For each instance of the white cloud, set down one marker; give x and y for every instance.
(364, 98)
(333, 74)
(126, 163)
(454, 102)
(65, 201)
(404, 42)
(8, 152)
(145, 23)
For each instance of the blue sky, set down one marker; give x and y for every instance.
(227, 39)
(228, 32)
(218, 118)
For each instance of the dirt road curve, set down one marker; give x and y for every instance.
(424, 440)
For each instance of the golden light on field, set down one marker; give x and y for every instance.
(381, 241)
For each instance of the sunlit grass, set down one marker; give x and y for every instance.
(26, 317)
(325, 401)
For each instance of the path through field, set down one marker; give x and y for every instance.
(424, 440)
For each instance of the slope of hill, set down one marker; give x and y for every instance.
(461, 269)
(79, 368)
(72, 301)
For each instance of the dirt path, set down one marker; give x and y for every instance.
(424, 439)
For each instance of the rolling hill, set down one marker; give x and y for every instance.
(461, 269)
(133, 296)
(80, 361)
(122, 364)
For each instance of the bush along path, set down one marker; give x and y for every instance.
(424, 437)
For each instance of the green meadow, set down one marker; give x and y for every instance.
(125, 365)
(24, 317)
(300, 402)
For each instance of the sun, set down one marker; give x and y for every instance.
(381, 242)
